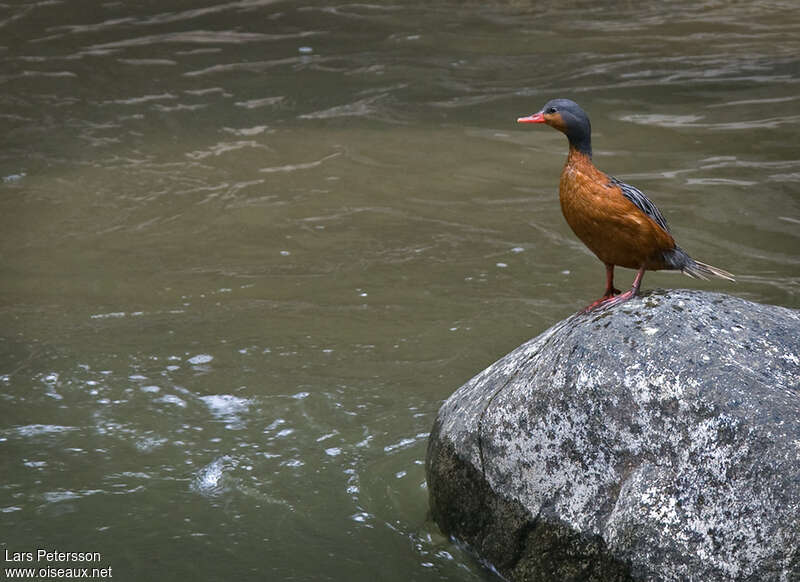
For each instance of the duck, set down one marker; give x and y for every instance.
(615, 220)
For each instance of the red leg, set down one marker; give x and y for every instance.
(608, 301)
(610, 290)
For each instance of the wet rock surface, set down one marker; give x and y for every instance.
(659, 440)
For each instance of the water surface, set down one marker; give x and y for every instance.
(247, 249)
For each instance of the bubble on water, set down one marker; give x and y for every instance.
(200, 359)
(225, 404)
(361, 517)
(172, 399)
(149, 443)
(35, 430)
(35, 464)
(112, 315)
(210, 479)
(228, 408)
(11, 178)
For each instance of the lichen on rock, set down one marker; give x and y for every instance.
(659, 440)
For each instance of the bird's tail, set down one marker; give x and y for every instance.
(699, 270)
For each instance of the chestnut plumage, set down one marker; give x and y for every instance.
(617, 221)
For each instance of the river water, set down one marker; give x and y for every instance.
(247, 248)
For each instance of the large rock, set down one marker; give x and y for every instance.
(658, 440)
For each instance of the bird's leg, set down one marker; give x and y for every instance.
(610, 289)
(608, 301)
(637, 282)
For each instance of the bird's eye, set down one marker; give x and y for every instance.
(551, 110)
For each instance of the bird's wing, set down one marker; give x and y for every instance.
(641, 201)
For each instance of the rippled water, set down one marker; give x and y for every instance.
(247, 249)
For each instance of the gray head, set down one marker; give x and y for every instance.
(567, 117)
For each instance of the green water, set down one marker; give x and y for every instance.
(247, 249)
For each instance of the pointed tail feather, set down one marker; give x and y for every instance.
(699, 270)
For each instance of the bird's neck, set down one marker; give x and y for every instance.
(580, 142)
(578, 157)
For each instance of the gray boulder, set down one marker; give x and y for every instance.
(657, 440)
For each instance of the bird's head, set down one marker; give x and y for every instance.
(567, 117)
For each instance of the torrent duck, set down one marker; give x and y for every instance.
(616, 221)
